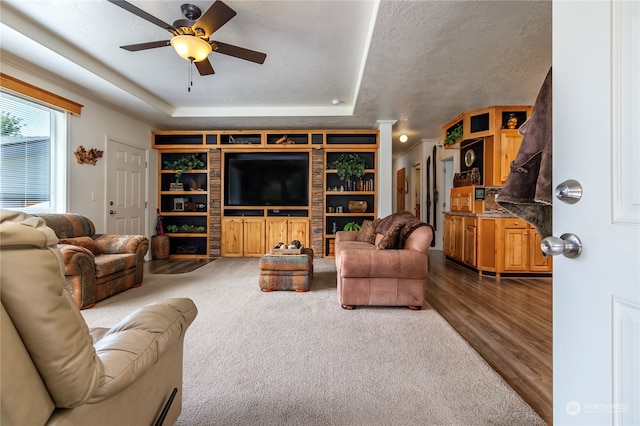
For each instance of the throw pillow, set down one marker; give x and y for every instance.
(390, 238)
(85, 242)
(367, 232)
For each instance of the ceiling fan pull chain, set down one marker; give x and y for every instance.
(190, 76)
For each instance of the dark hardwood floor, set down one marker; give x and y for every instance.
(174, 266)
(507, 321)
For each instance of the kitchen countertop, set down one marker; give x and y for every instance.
(496, 214)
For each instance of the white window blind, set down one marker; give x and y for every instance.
(32, 159)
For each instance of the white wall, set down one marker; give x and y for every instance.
(443, 194)
(419, 154)
(416, 155)
(91, 129)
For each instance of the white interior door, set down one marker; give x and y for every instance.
(596, 141)
(416, 190)
(126, 189)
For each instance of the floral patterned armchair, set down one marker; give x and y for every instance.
(96, 265)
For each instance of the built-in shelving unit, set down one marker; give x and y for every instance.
(251, 230)
(338, 194)
(185, 212)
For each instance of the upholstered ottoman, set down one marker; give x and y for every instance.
(286, 271)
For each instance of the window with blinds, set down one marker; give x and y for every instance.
(32, 156)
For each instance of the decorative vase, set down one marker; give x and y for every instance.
(357, 206)
(512, 121)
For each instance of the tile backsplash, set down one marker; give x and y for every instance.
(490, 205)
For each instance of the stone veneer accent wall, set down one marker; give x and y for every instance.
(215, 201)
(317, 202)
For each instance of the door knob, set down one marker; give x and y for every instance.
(112, 212)
(569, 191)
(568, 245)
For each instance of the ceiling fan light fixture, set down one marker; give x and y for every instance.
(191, 47)
(403, 138)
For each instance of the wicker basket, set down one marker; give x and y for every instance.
(160, 247)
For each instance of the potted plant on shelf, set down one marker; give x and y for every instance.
(182, 165)
(454, 135)
(186, 229)
(348, 165)
(351, 226)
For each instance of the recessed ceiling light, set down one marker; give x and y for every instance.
(336, 101)
(403, 138)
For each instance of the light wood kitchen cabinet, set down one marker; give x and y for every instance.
(461, 199)
(522, 251)
(510, 141)
(490, 130)
(447, 246)
(538, 262)
(243, 236)
(515, 238)
(287, 229)
(469, 241)
(454, 236)
(494, 244)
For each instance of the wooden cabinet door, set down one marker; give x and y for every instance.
(454, 202)
(298, 229)
(537, 261)
(466, 202)
(487, 243)
(254, 236)
(232, 237)
(509, 145)
(470, 241)
(276, 232)
(448, 235)
(516, 249)
(458, 237)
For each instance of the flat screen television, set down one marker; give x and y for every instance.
(266, 179)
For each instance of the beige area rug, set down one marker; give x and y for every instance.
(286, 358)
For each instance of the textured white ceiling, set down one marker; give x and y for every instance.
(419, 62)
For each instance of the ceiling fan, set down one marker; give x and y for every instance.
(191, 35)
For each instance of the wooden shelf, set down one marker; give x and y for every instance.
(198, 242)
(333, 198)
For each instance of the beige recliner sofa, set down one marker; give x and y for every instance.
(54, 369)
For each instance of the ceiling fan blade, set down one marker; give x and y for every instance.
(239, 52)
(204, 67)
(215, 17)
(144, 46)
(142, 14)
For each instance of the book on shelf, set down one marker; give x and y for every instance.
(360, 185)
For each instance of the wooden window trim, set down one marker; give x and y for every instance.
(34, 92)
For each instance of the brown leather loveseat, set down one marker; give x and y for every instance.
(385, 263)
(97, 265)
(57, 371)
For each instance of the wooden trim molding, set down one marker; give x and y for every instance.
(34, 92)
